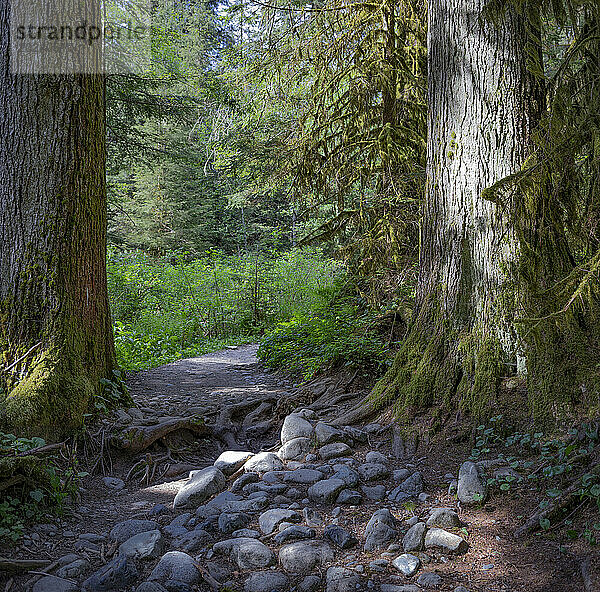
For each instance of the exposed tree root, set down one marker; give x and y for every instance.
(137, 438)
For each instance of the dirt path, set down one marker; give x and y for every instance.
(233, 380)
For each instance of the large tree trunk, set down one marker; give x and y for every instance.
(482, 105)
(53, 289)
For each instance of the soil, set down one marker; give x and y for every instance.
(547, 562)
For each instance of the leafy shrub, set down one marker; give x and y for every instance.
(335, 335)
(173, 306)
(40, 487)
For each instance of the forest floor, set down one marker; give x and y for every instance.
(231, 389)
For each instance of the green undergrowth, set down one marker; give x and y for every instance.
(552, 465)
(336, 334)
(35, 488)
(176, 306)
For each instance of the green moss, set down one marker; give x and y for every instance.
(51, 400)
(443, 370)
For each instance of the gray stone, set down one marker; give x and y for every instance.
(176, 565)
(339, 536)
(376, 457)
(181, 520)
(381, 530)
(247, 553)
(414, 538)
(54, 584)
(444, 518)
(122, 531)
(449, 542)
(230, 521)
(269, 520)
(349, 497)
(200, 486)
(399, 496)
(402, 588)
(192, 541)
(302, 476)
(334, 450)
(407, 564)
(273, 476)
(295, 449)
(413, 485)
(150, 587)
(231, 461)
(326, 491)
(267, 581)
(114, 483)
(379, 565)
(117, 574)
(310, 584)
(472, 484)
(374, 493)
(73, 570)
(327, 434)
(295, 532)
(373, 471)
(460, 589)
(312, 517)
(295, 426)
(269, 489)
(429, 580)
(340, 579)
(263, 462)
(245, 532)
(243, 480)
(305, 557)
(400, 475)
(146, 545)
(175, 531)
(347, 475)
(66, 559)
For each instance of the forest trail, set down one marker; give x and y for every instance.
(337, 509)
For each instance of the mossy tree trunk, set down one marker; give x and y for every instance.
(483, 103)
(53, 288)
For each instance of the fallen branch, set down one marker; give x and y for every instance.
(42, 449)
(22, 564)
(567, 498)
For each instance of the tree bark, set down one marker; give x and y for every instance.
(483, 103)
(53, 289)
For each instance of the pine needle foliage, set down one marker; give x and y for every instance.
(354, 76)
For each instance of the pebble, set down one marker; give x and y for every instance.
(407, 564)
(267, 581)
(305, 557)
(335, 450)
(176, 565)
(429, 580)
(381, 530)
(114, 483)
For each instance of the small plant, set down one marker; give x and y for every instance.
(45, 487)
(114, 393)
(549, 462)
